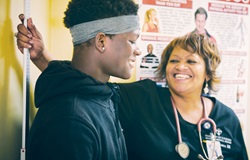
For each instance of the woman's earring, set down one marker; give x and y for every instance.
(103, 48)
(206, 89)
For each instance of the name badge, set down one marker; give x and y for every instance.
(213, 149)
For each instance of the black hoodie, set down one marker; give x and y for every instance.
(77, 117)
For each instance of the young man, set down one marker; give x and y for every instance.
(77, 116)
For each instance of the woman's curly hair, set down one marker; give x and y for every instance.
(80, 11)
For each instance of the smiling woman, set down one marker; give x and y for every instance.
(189, 65)
(198, 50)
(185, 69)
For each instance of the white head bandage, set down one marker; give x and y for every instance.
(114, 25)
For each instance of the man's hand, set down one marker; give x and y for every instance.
(32, 39)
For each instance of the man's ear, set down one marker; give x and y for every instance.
(100, 41)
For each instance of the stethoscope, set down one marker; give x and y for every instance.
(182, 148)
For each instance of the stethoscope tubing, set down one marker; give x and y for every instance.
(177, 122)
(201, 121)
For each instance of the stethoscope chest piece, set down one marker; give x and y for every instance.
(183, 149)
